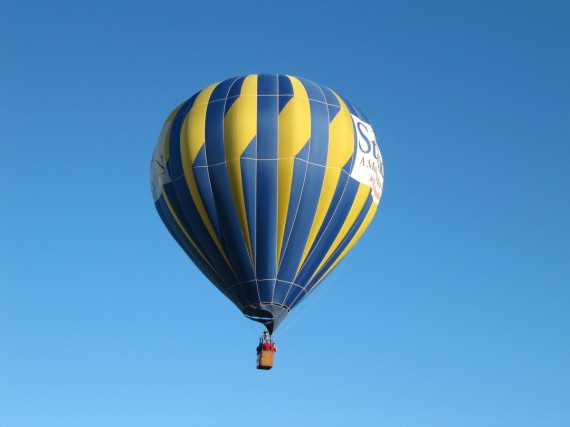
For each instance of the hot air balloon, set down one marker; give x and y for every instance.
(266, 182)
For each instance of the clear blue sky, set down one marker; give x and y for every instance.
(466, 267)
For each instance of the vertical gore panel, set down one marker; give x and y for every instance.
(234, 92)
(248, 177)
(229, 223)
(338, 250)
(302, 226)
(318, 154)
(192, 149)
(188, 208)
(250, 291)
(266, 218)
(220, 182)
(267, 84)
(297, 184)
(319, 133)
(314, 91)
(294, 133)
(321, 247)
(267, 119)
(175, 167)
(341, 152)
(295, 294)
(215, 133)
(235, 141)
(266, 290)
(177, 232)
(362, 197)
(267, 113)
(285, 176)
(339, 191)
(281, 291)
(352, 239)
(251, 176)
(189, 216)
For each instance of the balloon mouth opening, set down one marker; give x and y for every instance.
(270, 314)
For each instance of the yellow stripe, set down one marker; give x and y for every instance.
(355, 238)
(195, 132)
(247, 112)
(240, 126)
(341, 137)
(294, 133)
(192, 138)
(184, 231)
(249, 85)
(330, 182)
(294, 122)
(240, 122)
(340, 149)
(362, 194)
(342, 129)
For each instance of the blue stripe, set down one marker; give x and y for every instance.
(285, 91)
(333, 103)
(266, 206)
(202, 179)
(223, 277)
(235, 89)
(360, 114)
(234, 94)
(295, 295)
(322, 246)
(248, 177)
(319, 133)
(297, 184)
(333, 111)
(228, 219)
(266, 289)
(332, 100)
(251, 150)
(281, 291)
(353, 230)
(222, 89)
(267, 124)
(348, 166)
(338, 192)
(200, 159)
(188, 216)
(181, 239)
(285, 85)
(313, 90)
(172, 197)
(250, 292)
(184, 205)
(237, 296)
(302, 227)
(350, 107)
(215, 152)
(266, 203)
(175, 168)
(303, 154)
(267, 84)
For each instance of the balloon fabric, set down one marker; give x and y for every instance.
(266, 182)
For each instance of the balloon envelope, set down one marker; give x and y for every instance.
(266, 181)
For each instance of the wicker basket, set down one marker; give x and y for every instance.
(265, 359)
